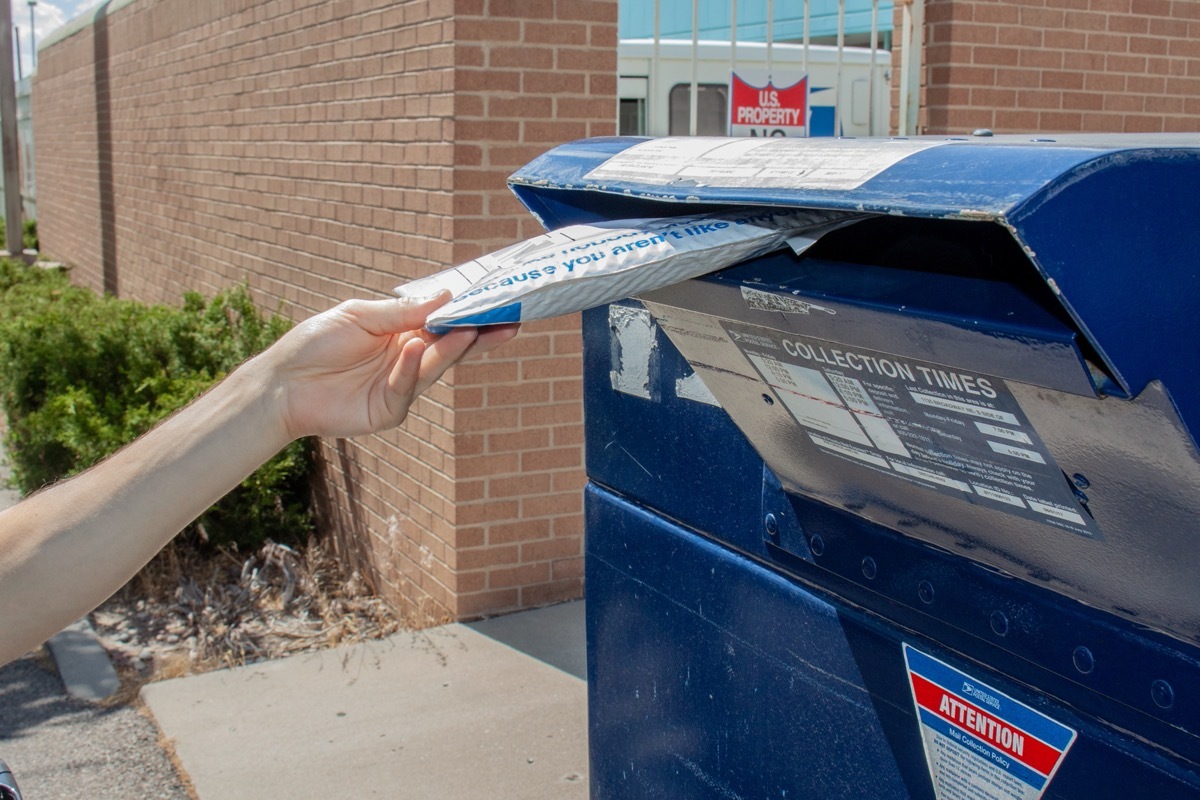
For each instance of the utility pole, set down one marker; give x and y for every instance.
(32, 37)
(8, 134)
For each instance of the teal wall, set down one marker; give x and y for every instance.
(636, 19)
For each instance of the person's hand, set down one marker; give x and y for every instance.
(358, 367)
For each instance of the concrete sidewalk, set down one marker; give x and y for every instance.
(485, 710)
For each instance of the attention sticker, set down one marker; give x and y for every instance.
(981, 744)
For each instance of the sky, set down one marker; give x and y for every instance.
(48, 16)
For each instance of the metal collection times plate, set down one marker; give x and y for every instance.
(955, 432)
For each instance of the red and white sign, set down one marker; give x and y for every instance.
(980, 742)
(758, 106)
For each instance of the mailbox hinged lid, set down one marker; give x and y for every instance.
(1107, 221)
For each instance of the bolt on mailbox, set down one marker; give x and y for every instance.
(913, 514)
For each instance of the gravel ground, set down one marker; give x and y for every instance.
(59, 747)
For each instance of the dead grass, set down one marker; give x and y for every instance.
(188, 612)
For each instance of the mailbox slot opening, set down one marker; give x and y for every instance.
(967, 275)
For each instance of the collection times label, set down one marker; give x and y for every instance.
(954, 431)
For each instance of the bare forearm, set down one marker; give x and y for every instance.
(354, 369)
(64, 550)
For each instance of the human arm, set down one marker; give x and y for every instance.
(352, 370)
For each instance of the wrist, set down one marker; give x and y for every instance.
(260, 391)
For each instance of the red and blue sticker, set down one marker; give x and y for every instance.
(979, 742)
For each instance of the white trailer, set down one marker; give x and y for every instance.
(655, 82)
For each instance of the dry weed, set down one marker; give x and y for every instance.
(187, 613)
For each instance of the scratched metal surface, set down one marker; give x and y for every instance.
(733, 657)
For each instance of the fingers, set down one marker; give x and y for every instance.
(399, 315)
(406, 373)
(443, 353)
(491, 337)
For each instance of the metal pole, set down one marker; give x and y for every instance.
(770, 39)
(655, 68)
(871, 84)
(732, 59)
(732, 38)
(32, 37)
(17, 42)
(8, 134)
(913, 42)
(841, 46)
(694, 110)
(807, 40)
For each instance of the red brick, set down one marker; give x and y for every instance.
(1004, 15)
(588, 10)
(562, 458)
(520, 531)
(488, 80)
(1120, 63)
(487, 557)
(1124, 102)
(1087, 21)
(468, 29)
(589, 59)
(1151, 8)
(518, 394)
(1164, 105)
(947, 12)
(1107, 42)
(1084, 62)
(530, 439)
(475, 604)
(1082, 101)
(1143, 124)
(501, 488)
(519, 107)
(525, 575)
(554, 83)
(1019, 36)
(553, 131)
(1064, 40)
(998, 56)
(523, 57)
(557, 33)
(553, 592)
(1038, 99)
(555, 506)
(1059, 121)
(993, 98)
(1145, 84)
(552, 550)
(1015, 120)
(1019, 78)
(1149, 45)
(1179, 124)
(1062, 80)
(567, 568)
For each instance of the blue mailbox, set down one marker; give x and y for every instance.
(915, 514)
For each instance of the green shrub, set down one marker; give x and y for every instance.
(82, 375)
(29, 236)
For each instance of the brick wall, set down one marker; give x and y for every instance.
(1060, 65)
(328, 149)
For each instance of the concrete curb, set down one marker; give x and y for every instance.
(83, 664)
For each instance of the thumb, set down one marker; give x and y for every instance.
(397, 315)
